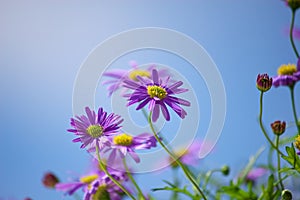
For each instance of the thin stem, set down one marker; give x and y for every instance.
(262, 126)
(270, 160)
(208, 176)
(294, 108)
(102, 166)
(278, 164)
(187, 174)
(291, 33)
(132, 179)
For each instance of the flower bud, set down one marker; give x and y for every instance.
(50, 180)
(286, 195)
(293, 4)
(225, 170)
(278, 127)
(263, 82)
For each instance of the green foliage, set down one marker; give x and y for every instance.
(292, 158)
(176, 189)
(269, 193)
(235, 192)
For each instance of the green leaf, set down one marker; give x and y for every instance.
(175, 189)
(237, 193)
(267, 193)
(292, 158)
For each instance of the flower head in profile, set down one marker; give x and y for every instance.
(95, 184)
(263, 82)
(288, 75)
(119, 75)
(124, 144)
(93, 128)
(158, 94)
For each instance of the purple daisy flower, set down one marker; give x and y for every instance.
(124, 144)
(119, 75)
(288, 75)
(96, 183)
(93, 128)
(158, 94)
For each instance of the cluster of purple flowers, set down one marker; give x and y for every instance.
(96, 184)
(102, 133)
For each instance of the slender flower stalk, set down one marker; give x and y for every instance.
(262, 126)
(186, 172)
(133, 181)
(294, 108)
(278, 164)
(208, 176)
(102, 166)
(291, 33)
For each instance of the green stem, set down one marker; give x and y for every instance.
(270, 160)
(294, 107)
(102, 166)
(186, 172)
(291, 33)
(208, 176)
(278, 164)
(262, 126)
(132, 180)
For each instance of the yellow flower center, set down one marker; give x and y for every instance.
(88, 179)
(288, 69)
(123, 139)
(156, 91)
(95, 131)
(134, 73)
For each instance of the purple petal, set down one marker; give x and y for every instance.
(155, 113)
(118, 73)
(134, 156)
(165, 111)
(90, 114)
(175, 85)
(143, 103)
(155, 76)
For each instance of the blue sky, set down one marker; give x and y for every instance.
(44, 43)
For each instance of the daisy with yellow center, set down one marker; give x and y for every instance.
(288, 75)
(158, 94)
(118, 76)
(124, 144)
(94, 128)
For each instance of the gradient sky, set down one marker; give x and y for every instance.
(44, 43)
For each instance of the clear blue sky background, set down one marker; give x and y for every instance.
(43, 44)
